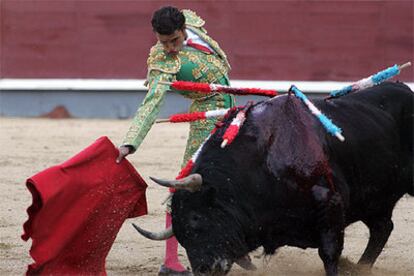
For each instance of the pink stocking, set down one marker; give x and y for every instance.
(171, 250)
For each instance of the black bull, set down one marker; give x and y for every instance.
(285, 181)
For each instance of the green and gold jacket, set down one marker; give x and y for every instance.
(188, 65)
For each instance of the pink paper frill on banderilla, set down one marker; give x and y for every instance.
(78, 208)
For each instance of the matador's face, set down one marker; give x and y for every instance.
(172, 43)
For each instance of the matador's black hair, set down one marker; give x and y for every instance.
(167, 20)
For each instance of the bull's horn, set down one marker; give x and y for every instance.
(163, 235)
(190, 183)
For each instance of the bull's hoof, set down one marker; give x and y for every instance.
(165, 271)
(246, 263)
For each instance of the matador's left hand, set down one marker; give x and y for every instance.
(123, 151)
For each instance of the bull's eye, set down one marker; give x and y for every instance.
(195, 221)
(196, 217)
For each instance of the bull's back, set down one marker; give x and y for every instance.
(376, 159)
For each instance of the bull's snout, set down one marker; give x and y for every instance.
(219, 267)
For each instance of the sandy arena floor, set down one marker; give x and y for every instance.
(31, 145)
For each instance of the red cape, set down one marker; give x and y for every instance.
(78, 208)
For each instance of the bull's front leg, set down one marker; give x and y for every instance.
(331, 227)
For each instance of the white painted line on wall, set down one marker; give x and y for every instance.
(138, 84)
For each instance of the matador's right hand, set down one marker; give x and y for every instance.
(123, 151)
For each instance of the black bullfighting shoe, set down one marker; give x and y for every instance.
(165, 271)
